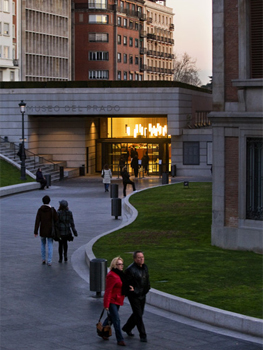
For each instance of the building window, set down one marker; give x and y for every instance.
(0, 51)
(254, 180)
(98, 74)
(0, 28)
(6, 6)
(12, 75)
(125, 22)
(136, 76)
(119, 75)
(119, 57)
(191, 153)
(125, 40)
(98, 56)
(131, 24)
(124, 58)
(136, 42)
(124, 75)
(98, 19)
(136, 60)
(119, 39)
(136, 26)
(131, 59)
(256, 39)
(131, 76)
(6, 52)
(131, 41)
(6, 29)
(98, 37)
(98, 4)
(119, 21)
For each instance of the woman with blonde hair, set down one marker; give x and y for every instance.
(116, 289)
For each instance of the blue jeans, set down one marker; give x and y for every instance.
(50, 249)
(115, 319)
(106, 186)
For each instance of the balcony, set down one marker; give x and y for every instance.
(143, 34)
(143, 51)
(151, 36)
(143, 67)
(149, 20)
(142, 16)
(171, 26)
(15, 62)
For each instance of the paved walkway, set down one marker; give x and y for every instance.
(52, 307)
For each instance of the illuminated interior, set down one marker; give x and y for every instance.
(137, 127)
(118, 136)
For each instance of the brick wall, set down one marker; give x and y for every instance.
(231, 49)
(231, 181)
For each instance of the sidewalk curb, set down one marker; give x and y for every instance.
(200, 312)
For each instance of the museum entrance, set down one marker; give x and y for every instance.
(116, 153)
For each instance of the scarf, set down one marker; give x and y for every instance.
(125, 285)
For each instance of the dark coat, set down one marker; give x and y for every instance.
(65, 222)
(125, 176)
(138, 277)
(44, 221)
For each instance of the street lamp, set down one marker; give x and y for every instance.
(22, 106)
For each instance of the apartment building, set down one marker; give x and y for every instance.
(158, 43)
(9, 63)
(45, 40)
(111, 40)
(237, 120)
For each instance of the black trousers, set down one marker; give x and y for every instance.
(135, 319)
(63, 247)
(125, 185)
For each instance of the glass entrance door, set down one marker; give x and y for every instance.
(115, 153)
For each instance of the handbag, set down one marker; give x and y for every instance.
(104, 331)
(55, 234)
(102, 175)
(70, 237)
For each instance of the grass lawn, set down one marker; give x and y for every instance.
(173, 229)
(10, 175)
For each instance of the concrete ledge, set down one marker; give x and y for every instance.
(180, 306)
(8, 190)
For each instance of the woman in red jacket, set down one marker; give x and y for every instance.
(116, 289)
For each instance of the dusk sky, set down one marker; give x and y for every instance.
(193, 32)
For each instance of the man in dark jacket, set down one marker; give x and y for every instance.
(126, 180)
(138, 277)
(44, 217)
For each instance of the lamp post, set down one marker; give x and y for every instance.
(22, 106)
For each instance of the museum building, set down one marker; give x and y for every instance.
(93, 123)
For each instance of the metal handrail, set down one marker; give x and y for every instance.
(29, 154)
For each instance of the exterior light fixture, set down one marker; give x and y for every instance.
(22, 106)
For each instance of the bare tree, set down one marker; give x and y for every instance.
(185, 70)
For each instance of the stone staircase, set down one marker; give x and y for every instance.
(33, 162)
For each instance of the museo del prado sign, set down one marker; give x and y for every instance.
(72, 109)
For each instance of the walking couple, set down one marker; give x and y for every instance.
(133, 282)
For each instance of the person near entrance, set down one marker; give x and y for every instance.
(145, 162)
(137, 276)
(135, 164)
(106, 174)
(126, 180)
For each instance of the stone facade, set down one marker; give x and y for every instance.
(237, 124)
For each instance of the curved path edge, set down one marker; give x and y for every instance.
(180, 306)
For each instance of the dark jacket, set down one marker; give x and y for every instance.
(44, 221)
(125, 176)
(138, 277)
(65, 222)
(39, 176)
